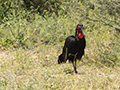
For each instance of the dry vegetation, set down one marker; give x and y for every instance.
(36, 70)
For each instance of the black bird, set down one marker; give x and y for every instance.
(74, 47)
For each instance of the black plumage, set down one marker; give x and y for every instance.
(74, 47)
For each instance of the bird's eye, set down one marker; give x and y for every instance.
(78, 27)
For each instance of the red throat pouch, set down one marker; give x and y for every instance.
(80, 35)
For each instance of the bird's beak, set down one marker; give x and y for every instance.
(82, 31)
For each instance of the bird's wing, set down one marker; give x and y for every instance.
(70, 42)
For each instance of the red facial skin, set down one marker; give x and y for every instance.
(80, 35)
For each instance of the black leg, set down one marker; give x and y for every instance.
(74, 65)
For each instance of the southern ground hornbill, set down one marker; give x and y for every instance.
(74, 47)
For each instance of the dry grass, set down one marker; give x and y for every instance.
(33, 70)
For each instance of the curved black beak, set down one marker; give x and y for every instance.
(82, 31)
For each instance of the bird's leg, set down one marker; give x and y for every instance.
(74, 65)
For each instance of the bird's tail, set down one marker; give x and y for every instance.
(66, 54)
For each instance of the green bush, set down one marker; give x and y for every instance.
(24, 28)
(44, 6)
(6, 7)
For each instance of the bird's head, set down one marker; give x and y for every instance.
(79, 31)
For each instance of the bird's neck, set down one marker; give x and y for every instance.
(78, 38)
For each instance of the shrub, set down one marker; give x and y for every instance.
(44, 6)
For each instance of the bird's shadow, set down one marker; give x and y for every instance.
(69, 71)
